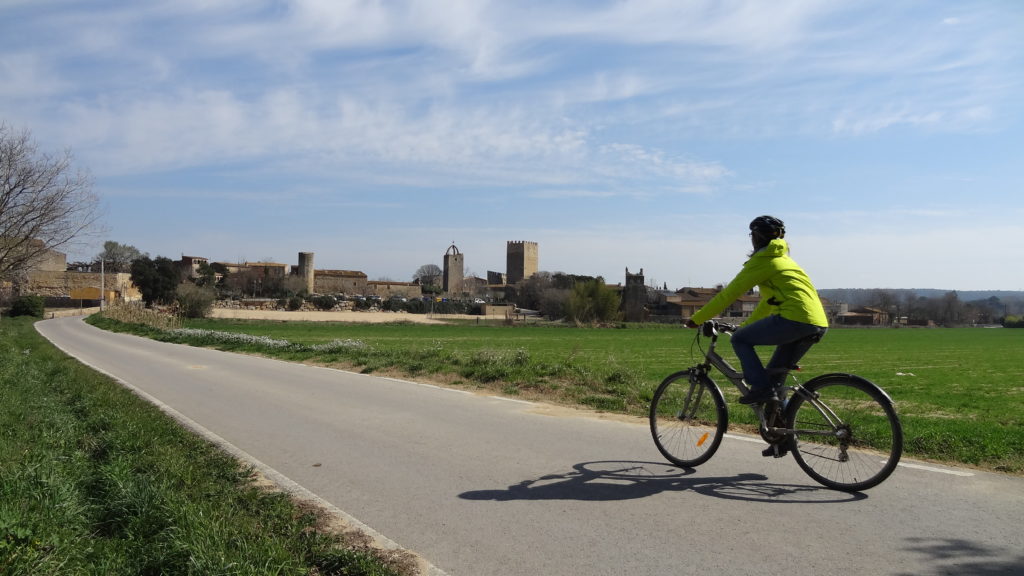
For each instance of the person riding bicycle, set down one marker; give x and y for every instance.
(789, 316)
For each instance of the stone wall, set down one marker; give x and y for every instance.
(393, 289)
(53, 284)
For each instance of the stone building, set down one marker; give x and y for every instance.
(350, 282)
(454, 271)
(864, 316)
(355, 283)
(261, 269)
(191, 264)
(475, 286)
(49, 260)
(521, 261)
(74, 285)
(686, 301)
(51, 279)
(634, 297)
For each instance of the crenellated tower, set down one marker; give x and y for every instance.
(634, 297)
(521, 261)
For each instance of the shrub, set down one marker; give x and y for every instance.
(29, 305)
(295, 303)
(415, 306)
(324, 302)
(554, 302)
(593, 302)
(195, 301)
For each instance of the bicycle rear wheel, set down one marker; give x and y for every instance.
(848, 434)
(688, 418)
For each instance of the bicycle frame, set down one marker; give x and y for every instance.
(712, 359)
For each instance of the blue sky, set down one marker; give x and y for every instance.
(642, 134)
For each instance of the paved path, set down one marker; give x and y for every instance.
(486, 486)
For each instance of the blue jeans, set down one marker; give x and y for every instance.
(792, 340)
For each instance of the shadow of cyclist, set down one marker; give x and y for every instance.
(626, 480)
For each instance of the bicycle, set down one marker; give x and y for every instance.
(842, 429)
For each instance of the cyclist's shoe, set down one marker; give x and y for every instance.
(778, 450)
(759, 395)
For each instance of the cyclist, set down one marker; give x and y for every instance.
(789, 316)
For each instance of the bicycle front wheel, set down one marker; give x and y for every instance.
(848, 434)
(688, 418)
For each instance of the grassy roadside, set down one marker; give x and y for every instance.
(94, 480)
(957, 390)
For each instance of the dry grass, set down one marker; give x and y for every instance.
(136, 313)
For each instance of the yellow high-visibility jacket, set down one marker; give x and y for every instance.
(784, 286)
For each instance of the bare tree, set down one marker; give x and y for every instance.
(429, 275)
(44, 204)
(887, 301)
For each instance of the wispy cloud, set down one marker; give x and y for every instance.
(27, 76)
(204, 92)
(570, 194)
(671, 106)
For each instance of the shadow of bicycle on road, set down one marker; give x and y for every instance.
(627, 480)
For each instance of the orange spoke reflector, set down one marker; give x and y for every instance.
(702, 440)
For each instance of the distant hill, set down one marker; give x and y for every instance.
(864, 296)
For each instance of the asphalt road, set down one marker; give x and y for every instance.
(482, 486)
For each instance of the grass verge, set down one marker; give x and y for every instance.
(957, 391)
(94, 480)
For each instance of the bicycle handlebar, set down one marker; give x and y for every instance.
(713, 327)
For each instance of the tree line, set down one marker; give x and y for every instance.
(908, 306)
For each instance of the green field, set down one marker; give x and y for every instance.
(960, 392)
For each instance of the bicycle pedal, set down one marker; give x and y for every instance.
(774, 451)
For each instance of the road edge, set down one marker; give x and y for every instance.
(295, 490)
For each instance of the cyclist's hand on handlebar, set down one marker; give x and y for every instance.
(692, 324)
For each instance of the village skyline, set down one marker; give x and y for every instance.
(928, 291)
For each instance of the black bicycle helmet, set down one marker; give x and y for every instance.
(768, 227)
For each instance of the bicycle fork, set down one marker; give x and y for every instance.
(692, 402)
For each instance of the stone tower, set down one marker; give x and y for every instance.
(634, 297)
(520, 261)
(306, 270)
(453, 271)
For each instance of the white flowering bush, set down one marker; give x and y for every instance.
(337, 346)
(217, 337)
(214, 336)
